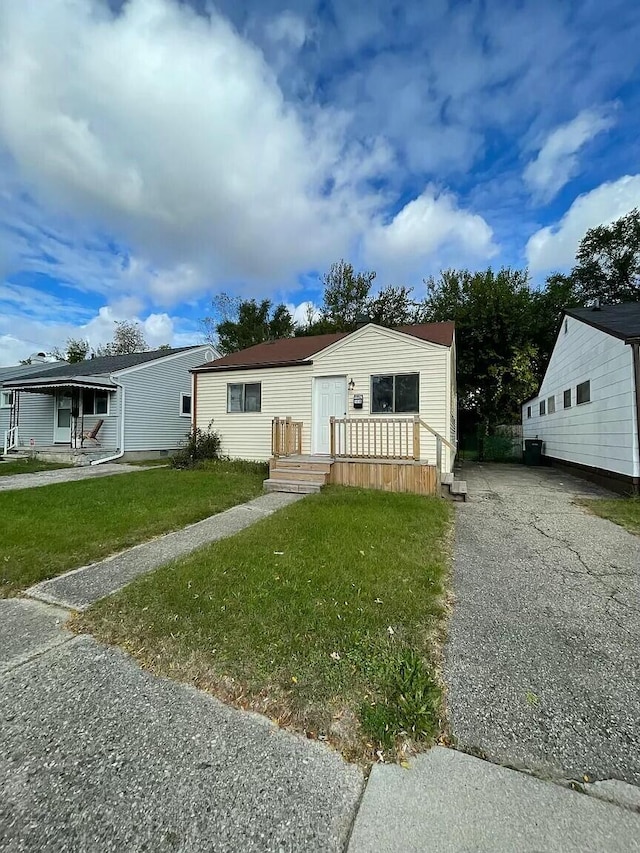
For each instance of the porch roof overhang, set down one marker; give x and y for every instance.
(41, 385)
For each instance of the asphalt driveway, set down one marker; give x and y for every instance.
(543, 657)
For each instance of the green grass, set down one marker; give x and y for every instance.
(47, 530)
(622, 511)
(29, 466)
(326, 616)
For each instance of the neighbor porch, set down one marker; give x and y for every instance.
(64, 421)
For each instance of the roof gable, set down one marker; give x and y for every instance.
(286, 352)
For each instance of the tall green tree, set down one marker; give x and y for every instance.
(127, 338)
(608, 262)
(346, 295)
(75, 350)
(496, 350)
(246, 322)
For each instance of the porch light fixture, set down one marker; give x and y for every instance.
(352, 385)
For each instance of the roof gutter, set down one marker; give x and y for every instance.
(120, 453)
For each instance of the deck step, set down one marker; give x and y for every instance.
(447, 479)
(299, 475)
(298, 465)
(297, 486)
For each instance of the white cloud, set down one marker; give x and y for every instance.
(429, 226)
(554, 247)
(557, 160)
(303, 312)
(288, 29)
(170, 131)
(25, 330)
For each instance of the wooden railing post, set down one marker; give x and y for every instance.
(275, 437)
(416, 437)
(438, 453)
(287, 436)
(332, 436)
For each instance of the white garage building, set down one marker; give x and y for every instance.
(588, 408)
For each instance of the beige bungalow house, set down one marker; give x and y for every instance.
(322, 408)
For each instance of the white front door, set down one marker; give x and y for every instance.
(329, 400)
(62, 418)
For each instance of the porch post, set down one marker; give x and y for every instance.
(332, 436)
(416, 437)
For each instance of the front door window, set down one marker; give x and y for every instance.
(62, 428)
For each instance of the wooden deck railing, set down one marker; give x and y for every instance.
(286, 437)
(375, 438)
(383, 438)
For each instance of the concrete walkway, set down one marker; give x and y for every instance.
(543, 659)
(453, 803)
(80, 588)
(66, 475)
(97, 755)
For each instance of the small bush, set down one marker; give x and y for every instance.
(199, 446)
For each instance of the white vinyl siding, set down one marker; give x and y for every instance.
(287, 391)
(247, 435)
(600, 433)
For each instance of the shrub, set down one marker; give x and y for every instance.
(199, 446)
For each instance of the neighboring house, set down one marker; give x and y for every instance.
(376, 382)
(143, 400)
(588, 407)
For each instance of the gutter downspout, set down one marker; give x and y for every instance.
(635, 346)
(120, 454)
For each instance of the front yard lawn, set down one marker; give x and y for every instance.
(622, 511)
(327, 616)
(29, 466)
(48, 530)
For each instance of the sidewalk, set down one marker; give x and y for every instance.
(80, 588)
(454, 803)
(99, 755)
(66, 475)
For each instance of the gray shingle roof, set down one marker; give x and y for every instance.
(621, 321)
(18, 371)
(103, 365)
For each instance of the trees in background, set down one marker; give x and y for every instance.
(506, 329)
(75, 350)
(127, 338)
(608, 262)
(238, 323)
(496, 355)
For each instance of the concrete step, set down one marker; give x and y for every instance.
(459, 487)
(295, 486)
(447, 479)
(299, 475)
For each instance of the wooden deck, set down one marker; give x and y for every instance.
(308, 474)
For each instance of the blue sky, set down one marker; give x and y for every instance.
(155, 152)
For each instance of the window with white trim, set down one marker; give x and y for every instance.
(244, 397)
(551, 405)
(6, 399)
(185, 405)
(543, 407)
(395, 393)
(95, 402)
